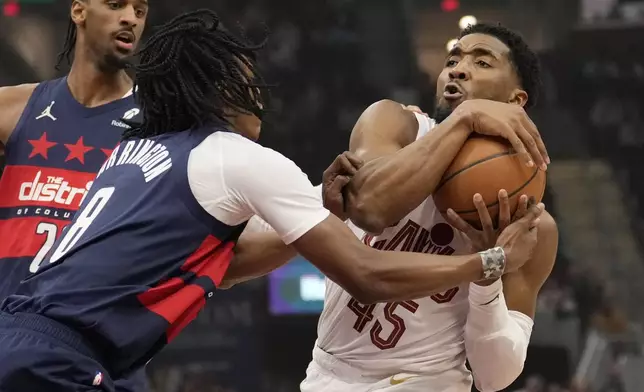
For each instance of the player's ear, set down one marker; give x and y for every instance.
(79, 12)
(518, 97)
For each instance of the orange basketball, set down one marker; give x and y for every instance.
(486, 165)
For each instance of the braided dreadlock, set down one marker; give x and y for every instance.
(191, 70)
(68, 47)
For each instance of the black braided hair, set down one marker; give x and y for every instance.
(191, 71)
(68, 48)
(524, 60)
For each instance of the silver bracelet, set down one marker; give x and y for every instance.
(493, 262)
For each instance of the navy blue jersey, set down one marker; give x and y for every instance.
(52, 157)
(155, 235)
(141, 257)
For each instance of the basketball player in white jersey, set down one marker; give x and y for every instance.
(423, 345)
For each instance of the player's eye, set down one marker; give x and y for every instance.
(140, 13)
(451, 63)
(483, 64)
(114, 5)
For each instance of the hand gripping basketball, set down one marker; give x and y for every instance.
(485, 238)
(510, 122)
(519, 239)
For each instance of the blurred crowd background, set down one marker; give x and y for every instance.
(329, 60)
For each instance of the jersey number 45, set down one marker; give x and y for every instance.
(365, 316)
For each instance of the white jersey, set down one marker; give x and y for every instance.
(423, 336)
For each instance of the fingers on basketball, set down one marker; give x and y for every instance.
(486, 165)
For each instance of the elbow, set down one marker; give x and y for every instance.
(498, 370)
(363, 285)
(362, 291)
(369, 289)
(364, 213)
(363, 296)
(499, 381)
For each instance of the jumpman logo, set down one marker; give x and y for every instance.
(47, 112)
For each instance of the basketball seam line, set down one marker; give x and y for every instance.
(509, 195)
(461, 170)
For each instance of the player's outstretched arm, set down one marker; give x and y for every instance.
(500, 320)
(13, 100)
(371, 276)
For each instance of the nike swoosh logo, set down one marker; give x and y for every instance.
(493, 299)
(395, 381)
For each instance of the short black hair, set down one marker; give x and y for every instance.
(191, 71)
(524, 60)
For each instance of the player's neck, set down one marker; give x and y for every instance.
(93, 87)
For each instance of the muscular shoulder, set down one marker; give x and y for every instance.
(384, 127)
(13, 100)
(21, 92)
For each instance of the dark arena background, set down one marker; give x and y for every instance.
(330, 60)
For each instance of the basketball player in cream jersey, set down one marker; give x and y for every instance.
(422, 345)
(368, 344)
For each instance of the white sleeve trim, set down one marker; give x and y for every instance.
(305, 227)
(258, 225)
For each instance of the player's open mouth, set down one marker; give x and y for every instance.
(452, 92)
(125, 40)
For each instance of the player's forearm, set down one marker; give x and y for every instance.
(496, 340)
(386, 189)
(400, 276)
(256, 254)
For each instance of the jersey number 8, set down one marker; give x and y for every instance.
(82, 222)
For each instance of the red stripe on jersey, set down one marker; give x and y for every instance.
(43, 186)
(179, 303)
(174, 301)
(210, 260)
(21, 237)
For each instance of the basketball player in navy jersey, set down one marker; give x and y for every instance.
(161, 224)
(56, 134)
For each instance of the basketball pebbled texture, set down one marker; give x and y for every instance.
(486, 165)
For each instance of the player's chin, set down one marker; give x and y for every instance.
(442, 110)
(453, 103)
(119, 60)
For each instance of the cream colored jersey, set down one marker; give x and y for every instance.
(423, 336)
